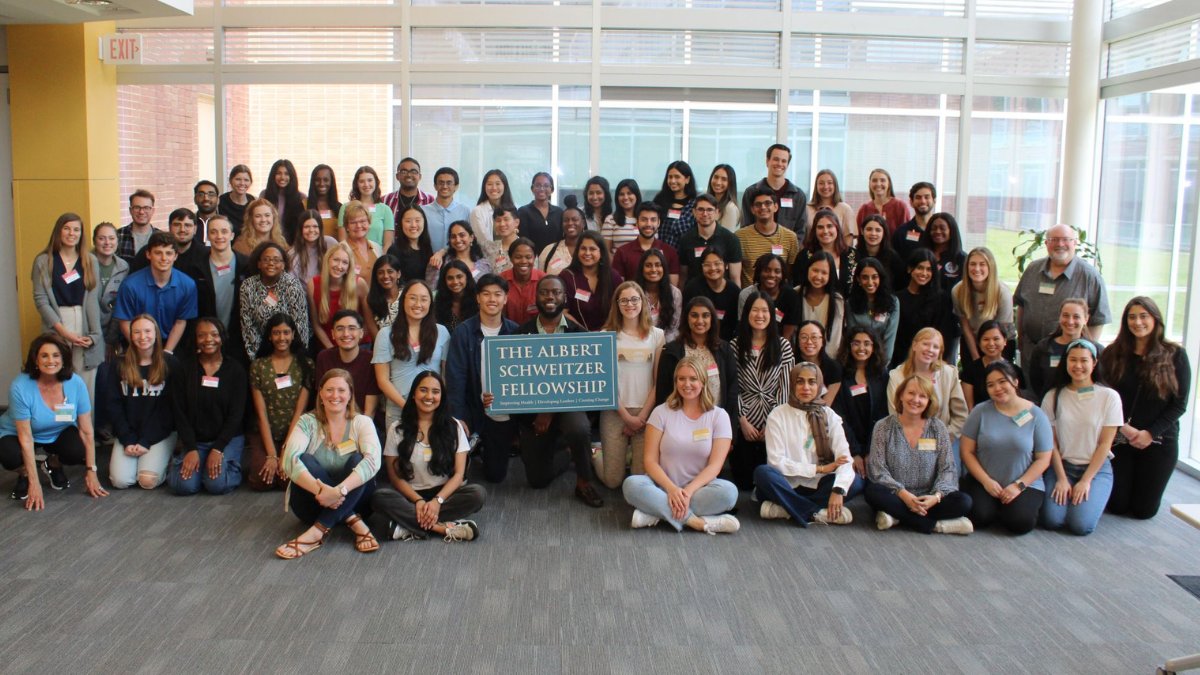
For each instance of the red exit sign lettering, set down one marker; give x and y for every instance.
(121, 49)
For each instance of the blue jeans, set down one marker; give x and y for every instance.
(225, 482)
(304, 503)
(800, 502)
(646, 496)
(1081, 519)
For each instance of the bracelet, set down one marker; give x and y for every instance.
(320, 489)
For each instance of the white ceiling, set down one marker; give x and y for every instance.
(79, 11)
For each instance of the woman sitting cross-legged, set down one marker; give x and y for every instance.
(912, 470)
(331, 456)
(426, 455)
(687, 440)
(1006, 445)
(808, 474)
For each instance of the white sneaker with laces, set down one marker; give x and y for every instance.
(462, 530)
(772, 511)
(844, 518)
(885, 521)
(642, 519)
(960, 525)
(723, 524)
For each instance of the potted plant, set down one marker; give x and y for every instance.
(1031, 244)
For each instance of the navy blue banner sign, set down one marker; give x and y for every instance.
(551, 373)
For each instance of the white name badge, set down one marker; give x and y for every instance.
(283, 381)
(779, 315)
(720, 315)
(1022, 418)
(1054, 361)
(858, 389)
(1086, 393)
(713, 370)
(698, 251)
(271, 300)
(674, 214)
(777, 250)
(326, 214)
(700, 435)
(71, 276)
(222, 270)
(913, 235)
(64, 412)
(786, 203)
(927, 444)
(583, 296)
(210, 381)
(1046, 288)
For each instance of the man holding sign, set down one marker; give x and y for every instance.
(540, 432)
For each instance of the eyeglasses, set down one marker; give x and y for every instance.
(763, 205)
(207, 193)
(141, 209)
(629, 302)
(809, 338)
(408, 172)
(705, 209)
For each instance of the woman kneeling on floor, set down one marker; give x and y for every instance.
(426, 455)
(687, 440)
(912, 469)
(331, 456)
(808, 457)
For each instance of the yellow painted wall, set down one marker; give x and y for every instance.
(64, 139)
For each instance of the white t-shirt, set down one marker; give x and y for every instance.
(635, 366)
(1083, 414)
(687, 443)
(421, 454)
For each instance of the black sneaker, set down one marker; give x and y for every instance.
(21, 489)
(57, 475)
(588, 495)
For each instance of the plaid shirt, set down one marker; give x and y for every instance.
(392, 199)
(126, 245)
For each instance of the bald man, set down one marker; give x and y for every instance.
(1050, 280)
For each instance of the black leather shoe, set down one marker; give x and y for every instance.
(588, 495)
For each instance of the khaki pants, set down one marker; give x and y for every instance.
(615, 444)
(72, 318)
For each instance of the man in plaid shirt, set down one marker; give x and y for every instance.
(135, 235)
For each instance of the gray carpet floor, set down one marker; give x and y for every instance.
(145, 582)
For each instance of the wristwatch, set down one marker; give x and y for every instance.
(839, 491)
(1021, 485)
(343, 490)
(440, 500)
(93, 469)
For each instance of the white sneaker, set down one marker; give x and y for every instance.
(726, 524)
(822, 516)
(461, 530)
(960, 525)
(399, 533)
(772, 511)
(642, 519)
(885, 521)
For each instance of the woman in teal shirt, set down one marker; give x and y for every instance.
(331, 456)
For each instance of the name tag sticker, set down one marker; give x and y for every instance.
(927, 444)
(210, 381)
(713, 370)
(779, 315)
(583, 296)
(698, 251)
(720, 315)
(913, 235)
(1086, 393)
(1055, 360)
(346, 447)
(674, 214)
(222, 270)
(271, 300)
(858, 389)
(1046, 288)
(1022, 418)
(777, 250)
(786, 203)
(64, 412)
(699, 435)
(283, 381)
(326, 214)
(71, 276)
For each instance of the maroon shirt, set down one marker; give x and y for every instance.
(627, 258)
(360, 369)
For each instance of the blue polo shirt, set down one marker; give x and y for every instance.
(140, 295)
(438, 219)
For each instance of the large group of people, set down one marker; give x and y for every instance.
(791, 347)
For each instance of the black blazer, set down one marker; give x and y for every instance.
(859, 430)
(672, 354)
(206, 305)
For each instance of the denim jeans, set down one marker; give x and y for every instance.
(800, 502)
(646, 496)
(1081, 519)
(306, 507)
(225, 482)
(148, 471)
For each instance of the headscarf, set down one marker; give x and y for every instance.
(814, 410)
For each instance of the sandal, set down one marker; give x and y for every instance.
(363, 543)
(291, 550)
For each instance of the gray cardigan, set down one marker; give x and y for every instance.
(43, 299)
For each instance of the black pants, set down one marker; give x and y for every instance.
(68, 447)
(540, 452)
(497, 438)
(1140, 477)
(467, 499)
(745, 458)
(1018, 516)
(953, 505)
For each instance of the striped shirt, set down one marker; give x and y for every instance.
(761, 392)
(755, 244)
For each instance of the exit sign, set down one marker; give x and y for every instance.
(121, 48)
